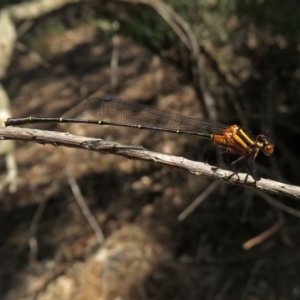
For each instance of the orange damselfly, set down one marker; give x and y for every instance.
(112, 111)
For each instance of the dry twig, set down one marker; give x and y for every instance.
(212, 187)
(85, 210)
(197, 168)
(266, 234)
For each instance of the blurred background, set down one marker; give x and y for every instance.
(235, 62)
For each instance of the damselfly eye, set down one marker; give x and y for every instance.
(268, 149)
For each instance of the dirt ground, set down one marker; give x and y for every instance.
(49, 250)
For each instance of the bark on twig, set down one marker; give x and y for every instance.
(197, 168)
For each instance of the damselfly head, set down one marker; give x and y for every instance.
(266, 146)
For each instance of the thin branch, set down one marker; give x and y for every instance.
(32, 240)
(279, 205)
(33, 54)
(34, 225)
(196, 168)
(266, 234)
(212, 187)
(85, 210)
